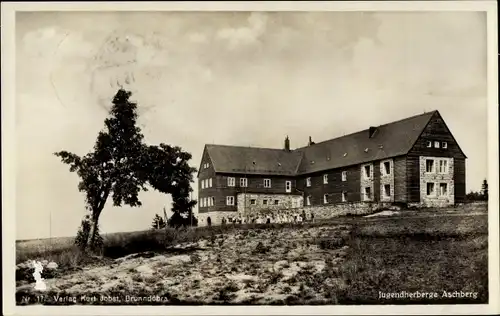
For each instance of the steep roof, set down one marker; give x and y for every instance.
(253, 160)
(389, 140)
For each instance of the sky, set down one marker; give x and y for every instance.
(236, 78)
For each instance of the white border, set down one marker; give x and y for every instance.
(8, 152)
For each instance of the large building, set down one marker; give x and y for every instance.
(413, 161)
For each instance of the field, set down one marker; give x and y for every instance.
(349, 260)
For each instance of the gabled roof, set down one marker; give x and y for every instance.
(253, 160)
(389, 140)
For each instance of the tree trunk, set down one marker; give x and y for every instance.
(95, 217)
(93, 231)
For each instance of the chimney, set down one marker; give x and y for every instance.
(287, 143)
(371, 131)
(310, 141)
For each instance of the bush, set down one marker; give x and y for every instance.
(83, 233)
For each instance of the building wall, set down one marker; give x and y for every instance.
(255, 184)
(435, 177)
(400, 179)
(333, 188)
(285, 201)
(367, 182)
(436, 130)
(205, 174)
(384, 179)
(216, 217)
(459, 177)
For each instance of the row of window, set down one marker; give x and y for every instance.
(436, 165)
(367, 196)
(437, 144)
(264, 202)
(207, 183)
(385, 169)
(207, 201)
(442, 190)
(206, 165)
(437, 189)
(231, 182)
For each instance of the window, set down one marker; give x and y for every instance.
(288, 186)
(243, 182)
(436, 144)
(264, 202)
(429, 144)
(210, 182)
(308, 200)
(267, 183)
(231, 182)
(368, 193)
(429, 165)
(430, 188)
(344, 196)
(201, 202)
(325, 198)
(202, 184)
(308, 182)
(276, 202)
(444, 145)
(443, 166)
(252, 202)
(386, 168)
(443, 189)
(229, 200)
(368, 171)
(387, 190)
(209, 201)
(213, 201)
(325, 179)
(344, 175)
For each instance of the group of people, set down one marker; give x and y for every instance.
(270, 218)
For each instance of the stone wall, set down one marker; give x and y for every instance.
(320, 212)
(387, 179)
(285, 201)
(340, 209)
(366, 182)
(216, 217)
(436, 199)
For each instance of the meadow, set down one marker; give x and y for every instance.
(345, 260)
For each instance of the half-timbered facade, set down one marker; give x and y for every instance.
(415, 160)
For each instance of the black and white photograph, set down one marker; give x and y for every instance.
(250, 157)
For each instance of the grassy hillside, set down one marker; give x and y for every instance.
(350, 260)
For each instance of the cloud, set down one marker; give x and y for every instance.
(247, 35)
(197, 37)
(43, 42)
